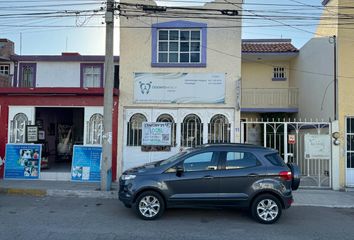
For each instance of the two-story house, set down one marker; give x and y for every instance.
(63, 96)
(184, 71)
(315, 77)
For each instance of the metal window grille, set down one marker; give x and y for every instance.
(219, 130)
(279, 72)
(134, 127)
(169, 118)
(95, 129)
(350, 142)
(27, 77)
(18, 128)
(191, 131)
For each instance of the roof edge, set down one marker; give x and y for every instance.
(267, 40)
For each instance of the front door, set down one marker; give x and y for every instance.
(198, 182)
(350, 152)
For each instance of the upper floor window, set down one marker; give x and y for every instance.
(5, 69)
(179, 44)
(91, 75)
(27, 75)
(279, 73)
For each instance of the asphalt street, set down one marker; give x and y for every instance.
(24, 217)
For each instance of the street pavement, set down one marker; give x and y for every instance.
(29, 217)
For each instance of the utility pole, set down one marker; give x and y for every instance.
(106, 162)
(335, 78)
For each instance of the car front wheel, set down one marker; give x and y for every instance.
(266, 209)
(149, 205)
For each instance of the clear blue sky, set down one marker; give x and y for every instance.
(40, 35)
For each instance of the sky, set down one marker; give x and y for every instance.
(36, 32)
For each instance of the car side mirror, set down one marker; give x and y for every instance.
(179, 170)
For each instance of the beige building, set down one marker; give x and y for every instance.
(184, 70)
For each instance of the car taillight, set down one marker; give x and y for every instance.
(286, 175)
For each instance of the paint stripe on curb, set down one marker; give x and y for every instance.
(322, 205)
(29, 192)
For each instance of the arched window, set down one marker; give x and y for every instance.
(95, 129)
(191, 131)
(168, 118)
(219, 129)
(135, 129)
(18, 128)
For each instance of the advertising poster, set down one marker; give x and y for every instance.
(156, 134)
(317, 146)
(86, 163)
(23, 161)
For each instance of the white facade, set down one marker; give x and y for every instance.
(58, 74)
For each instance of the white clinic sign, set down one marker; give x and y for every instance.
(317, 146)
(179, 88)
(156, 134)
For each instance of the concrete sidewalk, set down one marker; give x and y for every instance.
(302, 197)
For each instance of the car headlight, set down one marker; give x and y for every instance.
(128, 177)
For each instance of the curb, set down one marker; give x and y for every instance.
(60, 193)
(322, 205)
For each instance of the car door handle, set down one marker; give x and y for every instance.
(208, 177)
(252, 175)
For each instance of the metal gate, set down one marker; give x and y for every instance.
(289, 139)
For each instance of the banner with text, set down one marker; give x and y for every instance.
(156, 134)
(23, 161)
(86, 163)
(179, 88)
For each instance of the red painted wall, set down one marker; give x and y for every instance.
(55, 101)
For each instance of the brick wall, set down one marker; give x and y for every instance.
(7, 48)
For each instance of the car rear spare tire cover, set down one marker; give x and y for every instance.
(295, 171)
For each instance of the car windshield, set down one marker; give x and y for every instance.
(172, 158)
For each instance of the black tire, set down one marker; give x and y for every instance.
(266, 215)
(295, 171)
(152, 203)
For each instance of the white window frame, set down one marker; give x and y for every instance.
(279, 72)
(5, 69)
(179, 41)
(95, 81)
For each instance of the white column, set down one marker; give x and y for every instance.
(335, 157)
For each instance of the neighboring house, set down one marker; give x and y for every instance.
(63, 95)
(181, 71)
(268, 90)
(315, 80)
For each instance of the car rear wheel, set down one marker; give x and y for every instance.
(149, 205)
(266, 209)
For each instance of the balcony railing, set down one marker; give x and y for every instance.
(5, 80)
(270, 97)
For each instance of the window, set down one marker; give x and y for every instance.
(5, 69)
(275, 159)
(350, 142)
(179, 44)
(168, 118)
(239, 160)
(191, 131)
(27, 75)
(135, 129)
(18, 128)
(219, 129)
(95, 129)
(279, 73)
(200, 162)
(91, 75)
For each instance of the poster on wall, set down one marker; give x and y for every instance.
(156, 134)
(179, 88)
(23, 161)
(86, 163)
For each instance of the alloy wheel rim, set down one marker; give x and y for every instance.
(267, 210)
(149, 206)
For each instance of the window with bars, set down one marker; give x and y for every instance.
(27, 75)
(18, 128)
(191, 131)
(179, 46)
(219, 129)
(92, 75)
(350, 142)
(134, 129)
(95, 129)
(168, 118)
(279, 73)
(5, 69)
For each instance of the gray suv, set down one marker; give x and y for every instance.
(221, 175)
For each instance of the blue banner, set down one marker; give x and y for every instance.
(86, 163)
(23, 161)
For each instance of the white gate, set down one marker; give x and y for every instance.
(289, 139)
